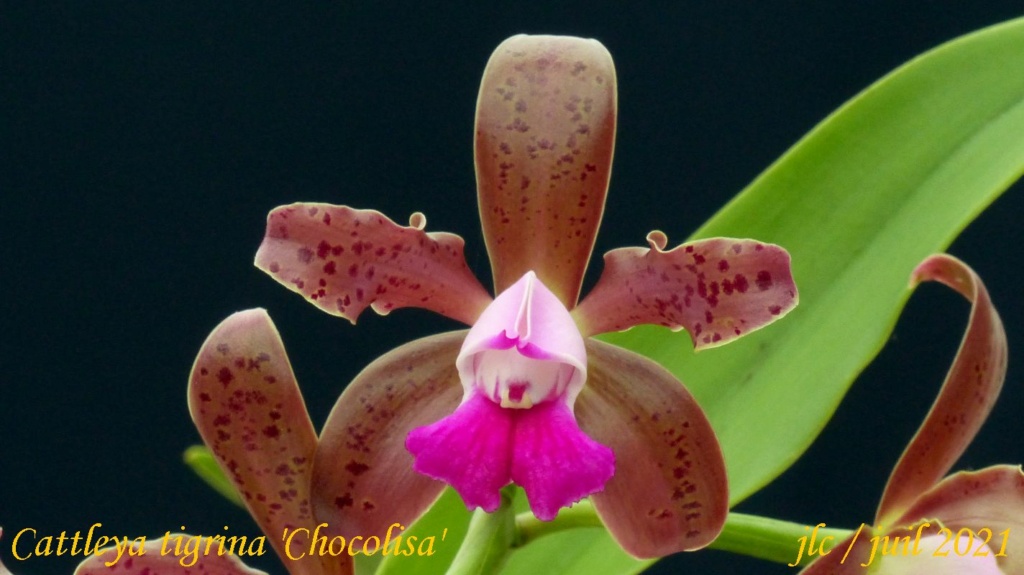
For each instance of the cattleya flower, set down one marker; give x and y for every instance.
(246, 404)
(917, 502)
(525, 396)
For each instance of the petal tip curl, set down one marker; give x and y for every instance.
(966, 397)
(343, 260)
(718, 289)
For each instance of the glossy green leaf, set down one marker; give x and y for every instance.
(583, 551)
(891, 177)
(448, 518)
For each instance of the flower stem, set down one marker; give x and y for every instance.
(760, 537)
(529, 527)
(489, 540)
(771, 539)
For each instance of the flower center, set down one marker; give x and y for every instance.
(519, 382)
(524, 349)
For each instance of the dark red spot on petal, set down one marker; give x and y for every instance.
(322, 249)
(740, 283)
(225, 376)
(356, 468)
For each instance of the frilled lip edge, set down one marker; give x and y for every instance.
(482, 447)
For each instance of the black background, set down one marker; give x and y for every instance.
(144, 142)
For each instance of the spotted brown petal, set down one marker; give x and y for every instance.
(343, 260)
(151, 561)
(545, 131)
(363, 478)
(991, 499)
(718, 289)
(669, 492)
(971, 388)
(247, 406)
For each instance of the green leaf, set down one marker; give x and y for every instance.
(585, 551)
(891, 177)
(448, 522)
(887, 180)
(205, 465)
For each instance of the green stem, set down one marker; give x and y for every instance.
(489, 540)
(760, 537)
(529, 527)
(772, 539)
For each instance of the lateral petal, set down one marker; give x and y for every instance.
(152, 562)
(718, 289)
(991, 499)
(363, 477)
(966, 398)
(669, 492)
(247, 406)
(545, 132)
(343, 260)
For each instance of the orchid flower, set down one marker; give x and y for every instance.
(247, 406)
(525, 396)
(917, 502)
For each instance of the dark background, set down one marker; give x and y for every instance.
(144, 142)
